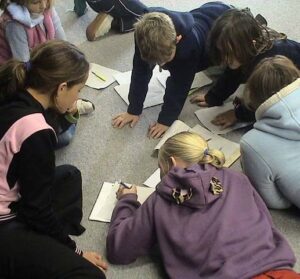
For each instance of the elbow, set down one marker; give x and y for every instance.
(120, 255)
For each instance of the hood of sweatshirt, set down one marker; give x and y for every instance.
(22, 15)
(280, 114)
(194, 183)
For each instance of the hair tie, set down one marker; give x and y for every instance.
(27, 66)
(206, 152)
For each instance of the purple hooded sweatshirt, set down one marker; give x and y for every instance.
(228, 235)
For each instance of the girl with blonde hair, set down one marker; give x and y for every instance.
(208, 221)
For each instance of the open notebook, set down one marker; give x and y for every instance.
(100, 76)
(106, 200)
(230, 149)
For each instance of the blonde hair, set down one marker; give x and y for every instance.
(190, 148)
(4, 3)
(51, 64)
(269, 76)
(155, 36)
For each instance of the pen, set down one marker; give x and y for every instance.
(125, 185)
(98, 76)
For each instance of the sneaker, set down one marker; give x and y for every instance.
(85, 106)
(99, 26)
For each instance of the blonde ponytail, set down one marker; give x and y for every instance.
(191, 148)
(214, 157)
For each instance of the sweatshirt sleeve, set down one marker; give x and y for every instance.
(224, 87)
(261, 176)
(140, 78)
(17, 39)
(177, 88)
(131, 232)
(37, 161)
(59, 31)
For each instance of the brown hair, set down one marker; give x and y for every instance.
(155, 36)
(4, 3)
(51, 64)
(269, 76)
(237, 35)
(191, 148)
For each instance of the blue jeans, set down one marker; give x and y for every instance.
(65, 137)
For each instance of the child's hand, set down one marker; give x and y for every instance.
(156, 130)
(120, 120)
(123, 191)
(199, 99)
(95, 259)
(225, 119)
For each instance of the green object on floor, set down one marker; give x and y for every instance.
(79, 7)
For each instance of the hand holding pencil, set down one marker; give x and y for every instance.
(125, 189)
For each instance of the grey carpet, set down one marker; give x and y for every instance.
(106, 154)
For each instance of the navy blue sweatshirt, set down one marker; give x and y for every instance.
(190, 58)
(33, 167)
(228, 83)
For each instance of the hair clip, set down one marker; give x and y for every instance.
(27, 65)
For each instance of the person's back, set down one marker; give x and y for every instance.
(269, 150)
(208, 222)
(211, 235)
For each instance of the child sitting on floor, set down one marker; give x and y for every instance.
(208, 221)
(23, 26)
(40, 204)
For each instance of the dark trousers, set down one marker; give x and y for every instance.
(124, 12)
(25, 253)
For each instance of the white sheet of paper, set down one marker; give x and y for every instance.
(206, 115)
(200, 79)
(123, 78)
(155, 95)
(106, 201)
(107, 73)
(177, 127)
(153, 180)
(230, 149)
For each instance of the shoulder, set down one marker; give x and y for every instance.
(29, 125)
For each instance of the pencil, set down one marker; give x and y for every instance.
(125, 185)
(98, 76)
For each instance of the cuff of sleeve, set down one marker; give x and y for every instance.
(212, 100)
(129, 196)
(134, 111)
(72, 118)
(243, 114)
